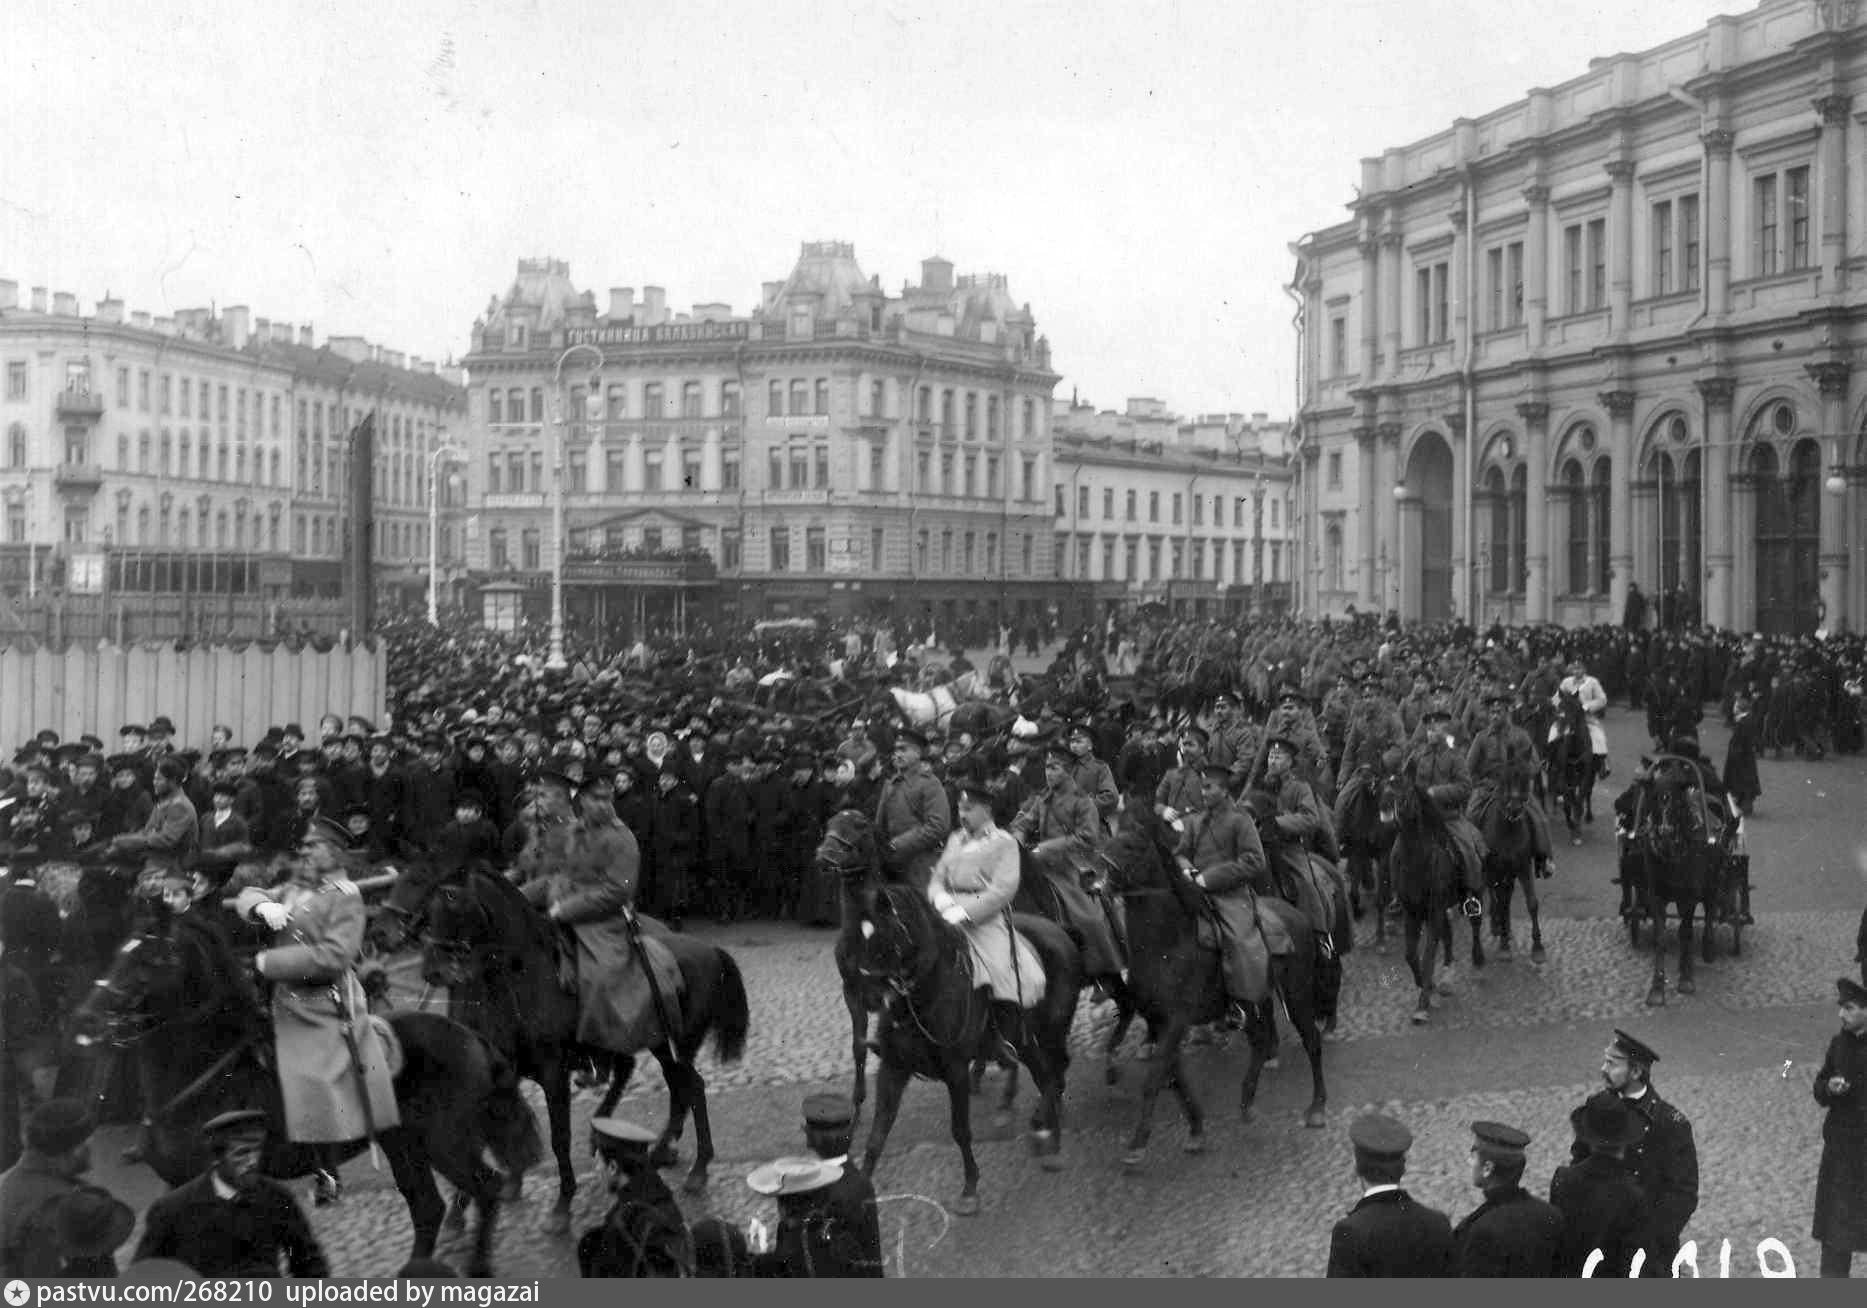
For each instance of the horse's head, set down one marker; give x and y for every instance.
(127, 1001)
(1513, 795)
(394, 923)
(458, 946)
(849, 848)
(1139, 854)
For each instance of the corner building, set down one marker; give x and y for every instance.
(837, 451)
(1604, 335)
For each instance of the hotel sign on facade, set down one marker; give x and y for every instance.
(665, 334)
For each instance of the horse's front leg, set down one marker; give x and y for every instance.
(959, 1105)
(1124, 1018)
(1656, 913)
(1164, 1069)
(890, 1084)
(1528, 880)
(556, 1077)
(858, 1041)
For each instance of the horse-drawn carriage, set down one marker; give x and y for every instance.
(1682, 843)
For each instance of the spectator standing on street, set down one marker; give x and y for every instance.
(34, 1192)
(1601, 1203)
(1387, 1233)
(1512, 1233)
(1841, 1088)
(231, 1221)
(1665, 1162)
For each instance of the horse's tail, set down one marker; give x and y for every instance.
(731, 1013)
(507, 1124)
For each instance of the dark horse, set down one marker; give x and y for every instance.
(1670, 858)
(1510, 863)
(498, 956)
(199, 1056)
(1365, 840)
(937, 1024)
(1571, 763)
(850, 850)
(1178, 982)
(1429, 882)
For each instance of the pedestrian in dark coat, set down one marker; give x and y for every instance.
(727, 829)
(644, 1233)
(1740, 756)
(33, 1190)
(231, 1221)
(675, 830)
(813, 895)
(771, 870)
(1665, 1162)
(1602, 1207)
(1841, 1088)
(1512, 1233)
(1388, 1233)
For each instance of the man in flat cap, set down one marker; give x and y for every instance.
(1388, 1233)
(1512, 1233)
(913, 816)
(644, 1233)
(1665, 1162)
(232, 1221)
(1841, 1088)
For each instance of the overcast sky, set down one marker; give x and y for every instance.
(376, 167)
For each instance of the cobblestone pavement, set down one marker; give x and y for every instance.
(1515, 1042)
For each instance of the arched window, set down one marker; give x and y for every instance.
(1601, 493)
(1499, 546)
(1332, 557)
(1575, 582)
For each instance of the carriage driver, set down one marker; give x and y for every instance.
(1501, 754)
(1594, 699)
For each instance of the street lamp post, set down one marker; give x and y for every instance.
(555, 660)
(1400, 559)
(434, 528)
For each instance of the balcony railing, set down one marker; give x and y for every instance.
(85, 478)
(75, 402)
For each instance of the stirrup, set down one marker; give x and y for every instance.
(326, 1189)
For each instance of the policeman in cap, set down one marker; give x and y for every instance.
(644, 1233)
(1512, 1233)
(1388, 1233)
(1665, 1162)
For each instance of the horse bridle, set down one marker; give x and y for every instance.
(905, 987)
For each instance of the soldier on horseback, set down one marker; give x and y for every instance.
(1291, 720)
(1233, 742)
(1091, 775)
(1221, 853)
(1060, 827)
(1594, 703)
(1374, 730)
(1440, 768)
(1500, 757)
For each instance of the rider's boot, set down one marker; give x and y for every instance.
(1007, 1024)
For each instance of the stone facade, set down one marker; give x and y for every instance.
(1600, 336)
(838, 450)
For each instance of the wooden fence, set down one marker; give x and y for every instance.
(99, 688)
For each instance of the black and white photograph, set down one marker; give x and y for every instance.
(925, 640)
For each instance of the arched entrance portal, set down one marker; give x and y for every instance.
(1789, 531)
(1426, 532)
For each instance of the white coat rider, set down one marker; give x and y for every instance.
(1594, 699)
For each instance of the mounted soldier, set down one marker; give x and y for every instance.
(1594, 700)
(1060, 827)
(333, 1069)
(1500, 758)
(1292, 721)
(1440, 768)
(1220, 851)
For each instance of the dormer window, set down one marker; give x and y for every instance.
(515, 335)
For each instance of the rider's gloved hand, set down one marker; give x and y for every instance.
(273, 915)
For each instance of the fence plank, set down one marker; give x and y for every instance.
(97, 688)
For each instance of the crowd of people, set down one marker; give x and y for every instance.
(712, 762)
